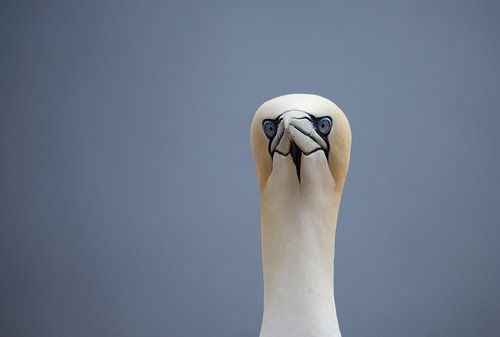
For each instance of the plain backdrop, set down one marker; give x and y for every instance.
(128, 197)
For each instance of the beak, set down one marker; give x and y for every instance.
(296, 135)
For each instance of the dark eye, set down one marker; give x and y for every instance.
(270, 128)
(324, 125)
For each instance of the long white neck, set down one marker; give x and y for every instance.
(298, 240)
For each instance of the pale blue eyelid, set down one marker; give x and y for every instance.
(269, 133)
(327, 129)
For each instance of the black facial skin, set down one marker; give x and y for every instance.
(296, 157)
(322, 125)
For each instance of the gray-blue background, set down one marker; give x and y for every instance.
(129, 202)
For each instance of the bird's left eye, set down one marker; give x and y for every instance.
(270, 128)
(324, 125)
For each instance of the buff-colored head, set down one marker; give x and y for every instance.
(300, 127)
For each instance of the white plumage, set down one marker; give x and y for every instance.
(301, 146)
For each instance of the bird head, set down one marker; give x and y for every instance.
(302, 128)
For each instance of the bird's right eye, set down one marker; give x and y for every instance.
(270, 128)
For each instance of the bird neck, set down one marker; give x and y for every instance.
(298, 239)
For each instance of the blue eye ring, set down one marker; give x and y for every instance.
(324, 125)
(270, 128)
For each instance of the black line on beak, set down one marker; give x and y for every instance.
(296, 154)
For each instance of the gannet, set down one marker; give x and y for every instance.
(301, 147)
